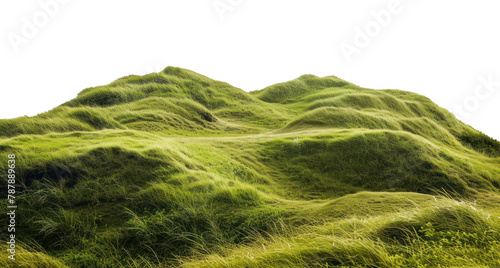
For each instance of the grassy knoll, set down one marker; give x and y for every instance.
(176, 169)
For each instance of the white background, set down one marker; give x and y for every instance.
(439, 49)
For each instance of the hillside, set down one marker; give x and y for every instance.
(176, 169)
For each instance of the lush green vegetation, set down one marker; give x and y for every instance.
(176, 169)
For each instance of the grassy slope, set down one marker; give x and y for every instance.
(174, 168)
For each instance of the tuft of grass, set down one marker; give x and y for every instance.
(30, 258)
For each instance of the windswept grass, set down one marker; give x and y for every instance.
(445, 233)
(176, 169)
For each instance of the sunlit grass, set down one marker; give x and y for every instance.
(175, 169)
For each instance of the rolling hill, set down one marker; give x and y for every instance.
(176, 169)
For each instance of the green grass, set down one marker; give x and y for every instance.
(176, 169)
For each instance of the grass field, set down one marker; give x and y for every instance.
(174, 169)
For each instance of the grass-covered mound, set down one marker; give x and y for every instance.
(176, 169)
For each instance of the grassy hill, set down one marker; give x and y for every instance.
(176, 169)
